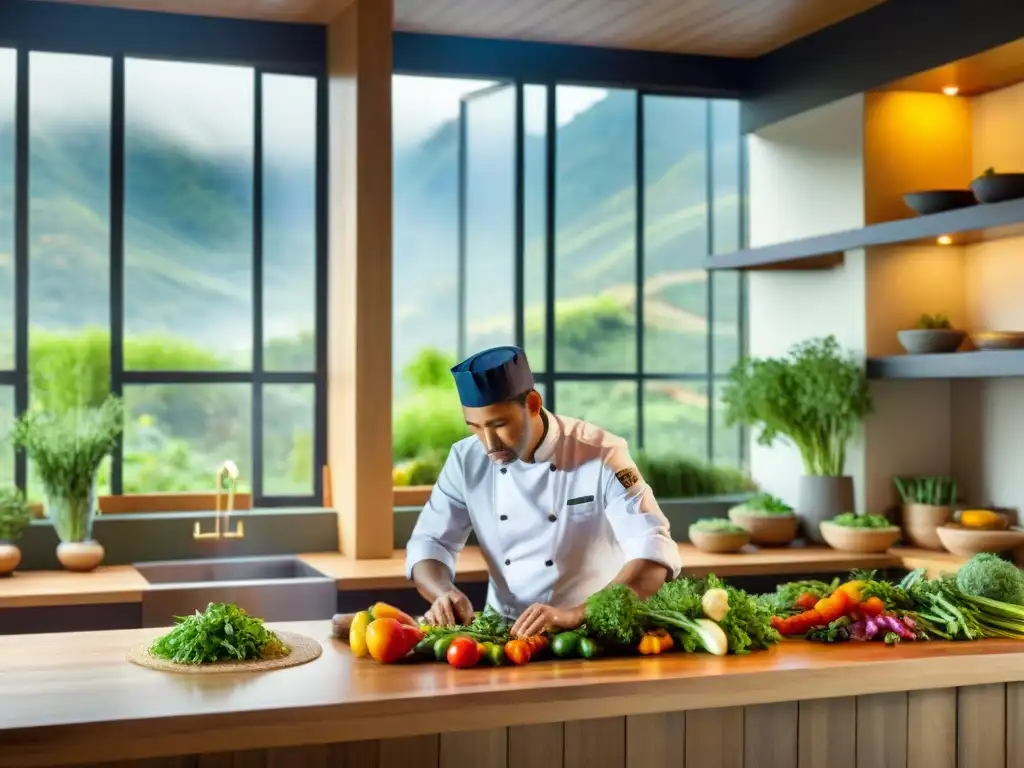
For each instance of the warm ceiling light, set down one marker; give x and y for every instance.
(944, 240)
(951, 90)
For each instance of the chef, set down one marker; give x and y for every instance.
(558, 507)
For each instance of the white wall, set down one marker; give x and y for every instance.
(988, 415)
(806, 178)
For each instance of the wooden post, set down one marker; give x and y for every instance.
(359, 303)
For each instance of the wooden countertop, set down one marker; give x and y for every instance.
(77, 700)
(123, 584)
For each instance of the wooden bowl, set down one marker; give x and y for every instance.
(867, 541)
(921, 523)
(767, 530)
(968, 542)
(718, 541)
(995, 340)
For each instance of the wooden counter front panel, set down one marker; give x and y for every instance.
(974, 727)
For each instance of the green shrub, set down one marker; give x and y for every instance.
(680, 477)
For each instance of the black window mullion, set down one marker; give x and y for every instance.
(21, 255)
(709, 205)
(256, 430)
(551, 128)
(117, 193)
(638, 235)
(520, 220)
(320, 374)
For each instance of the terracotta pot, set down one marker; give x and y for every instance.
(718, 541)
(10, 556)
(766, 530)
(921, 523)
(865, 541)
(80, 556)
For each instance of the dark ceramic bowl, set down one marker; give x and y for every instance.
(997, 187)
(938, 200)
(930, 341)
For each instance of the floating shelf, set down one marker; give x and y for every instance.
(964, 225)
(955, 365)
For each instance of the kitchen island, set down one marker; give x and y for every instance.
(73, 699)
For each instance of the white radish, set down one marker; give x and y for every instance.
(712, 637)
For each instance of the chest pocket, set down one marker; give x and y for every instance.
(581, 507)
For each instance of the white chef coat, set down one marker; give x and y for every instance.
(553, 531)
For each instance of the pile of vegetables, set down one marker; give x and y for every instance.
(984, 599)
(684, 615)
(223, 632)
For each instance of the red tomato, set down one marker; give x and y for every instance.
(463, 652)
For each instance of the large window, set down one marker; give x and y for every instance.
(574, 221)
(159, 240)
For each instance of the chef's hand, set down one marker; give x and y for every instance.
(538, 618)
(450, 607)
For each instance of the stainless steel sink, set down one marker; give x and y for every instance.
(281, 588)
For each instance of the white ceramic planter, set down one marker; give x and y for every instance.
(80, 556)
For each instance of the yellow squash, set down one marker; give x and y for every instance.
(357, 634)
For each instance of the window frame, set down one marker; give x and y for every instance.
(255, 376)
(547, 372)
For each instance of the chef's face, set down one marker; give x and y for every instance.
(506, 429)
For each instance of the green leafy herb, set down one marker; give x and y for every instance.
(836, 632)
(716, 525)
(936, 491)
(934, 322)
(220, 633)
(486, 627)
(815, 397)
(763, 504)
(15, 514)
(67, 449)
(853, 520)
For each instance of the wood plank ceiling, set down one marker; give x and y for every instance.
(736, 28)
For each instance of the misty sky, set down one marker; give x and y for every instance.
(209, 107)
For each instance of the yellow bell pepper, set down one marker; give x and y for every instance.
(655, 642)
(357, 634)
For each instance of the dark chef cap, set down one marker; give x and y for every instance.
(493, 376)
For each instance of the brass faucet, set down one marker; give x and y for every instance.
(227, 474)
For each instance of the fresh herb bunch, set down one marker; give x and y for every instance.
(936, 322)
(853, 520)
(486, 626)
(15, 514)
(936, 491)
(716, 525)
(764, 504)
(223, 632)
(67, 450)
(815, 397)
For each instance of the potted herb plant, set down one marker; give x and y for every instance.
(67, 450)
(927, 505)
(15, 515)
(934, 334)
(769, 520)
(815, 398)
(716, 534)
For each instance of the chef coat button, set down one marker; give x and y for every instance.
(503, 517)
(508, 562)
(554, 468)
(552, 518)
(504, 470)
(549, 563)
